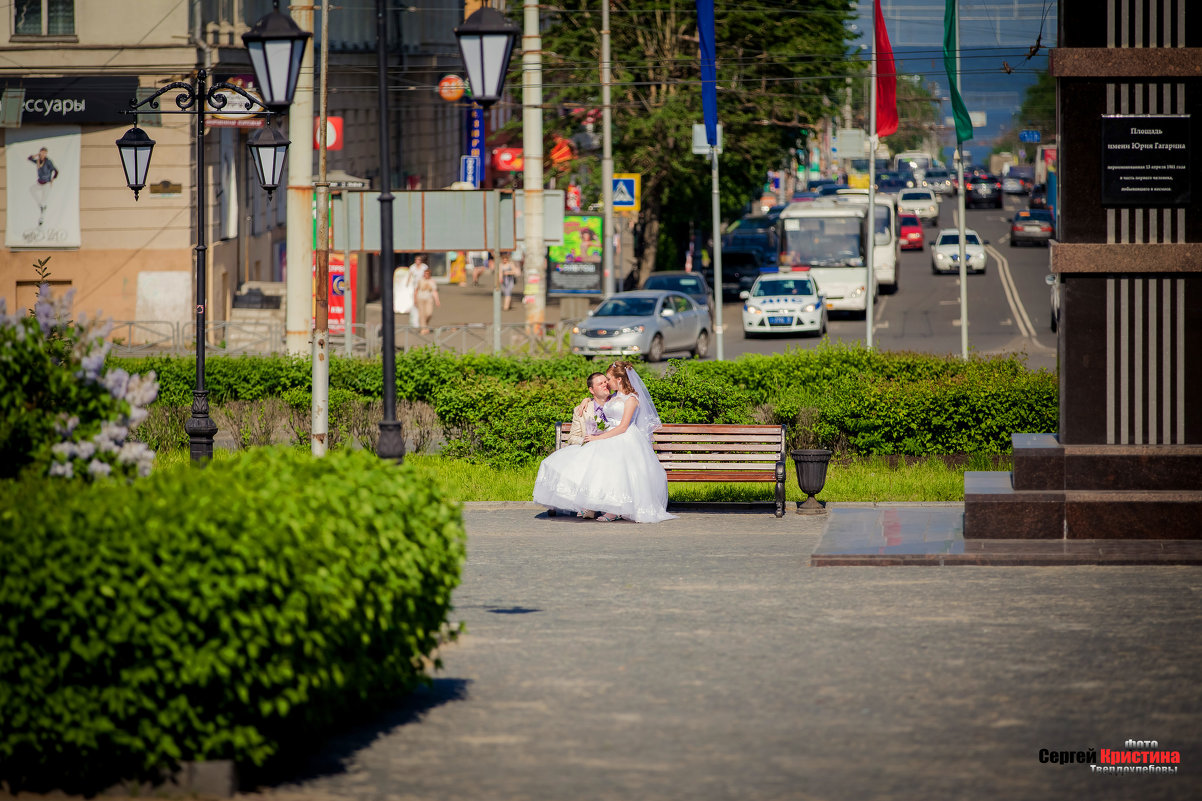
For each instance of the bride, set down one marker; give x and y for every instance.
(615, 471)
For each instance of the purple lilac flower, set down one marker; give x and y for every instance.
(142, 389)
(91, 365)
(98, 468)
(85, 450)
(43, 310)
(63, 469)
(116, 382)
(64, 449)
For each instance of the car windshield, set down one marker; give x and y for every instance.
(915, 195)
(689, 284)
(626, 307)
(783, 286)
(954, 239)
(824, 241)
(909, 219)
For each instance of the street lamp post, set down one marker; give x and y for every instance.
(486, 42)
(268, 149)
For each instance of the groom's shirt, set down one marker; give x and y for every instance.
(594, 412)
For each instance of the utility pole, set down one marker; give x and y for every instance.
(870, 249)
(299, 243)
(320, 397)
(607, 161)
(535, 292)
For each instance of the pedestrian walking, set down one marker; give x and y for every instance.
(426, 299)
(509, 278)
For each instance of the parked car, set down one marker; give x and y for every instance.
(945, 251)
(1032, 226)
(922, 203)
(693, 284)
(939, 181)
(909, 232)
(780, 303)
(982, 190)
(1054, 285)
(1039, 197)
(645, 323)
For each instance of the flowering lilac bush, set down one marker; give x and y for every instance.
(61, 413)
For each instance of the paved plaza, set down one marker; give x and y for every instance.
(705, 658)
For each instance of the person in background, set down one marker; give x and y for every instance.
(509, 278)
(457, 274)
(426, 298)
(416, 270)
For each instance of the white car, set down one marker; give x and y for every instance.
(922, 203)
(784, 303)
(945, 251)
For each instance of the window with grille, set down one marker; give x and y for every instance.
(43, 17)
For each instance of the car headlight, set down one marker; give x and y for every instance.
(633, 329)
(932, 209)
(810, 307)
(753, 309)
(940, 256)
(575, 329)
(859, 291)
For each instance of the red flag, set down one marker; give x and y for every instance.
(886, 78)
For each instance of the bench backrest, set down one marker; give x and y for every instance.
(691, 450)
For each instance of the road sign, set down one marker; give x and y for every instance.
(700, 144)
(1031, 137)
(626, 191)
(852, 143)
(469, 170)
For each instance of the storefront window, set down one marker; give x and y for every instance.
(44, 17)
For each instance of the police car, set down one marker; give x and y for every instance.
(785, 303)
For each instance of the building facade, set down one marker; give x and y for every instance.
(69, 71)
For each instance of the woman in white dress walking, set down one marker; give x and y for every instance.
(616, 471)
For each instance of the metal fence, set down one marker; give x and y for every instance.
(160, 337)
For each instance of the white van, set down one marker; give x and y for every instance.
(887, 250)
(827, 239)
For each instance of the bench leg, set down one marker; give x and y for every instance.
(780, 489)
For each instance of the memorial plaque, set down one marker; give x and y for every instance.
(1145, 160)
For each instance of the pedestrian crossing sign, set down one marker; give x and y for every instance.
(626, 191)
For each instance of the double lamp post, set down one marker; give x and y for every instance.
(275, 45)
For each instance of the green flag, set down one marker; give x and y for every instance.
(950, 46)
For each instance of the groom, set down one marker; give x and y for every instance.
(590, 411)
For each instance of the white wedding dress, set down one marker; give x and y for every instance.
(619, 475)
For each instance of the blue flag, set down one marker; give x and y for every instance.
(709, 70)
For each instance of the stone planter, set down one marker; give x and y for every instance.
(811, 477)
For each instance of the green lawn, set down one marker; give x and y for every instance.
(860, 479)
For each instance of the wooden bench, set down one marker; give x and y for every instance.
(716, 452)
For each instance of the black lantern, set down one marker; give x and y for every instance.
(135, 148)
(268, 148)
(486, 41)
(276, 46)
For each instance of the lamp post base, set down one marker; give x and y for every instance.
(391, 444)
(200, 428)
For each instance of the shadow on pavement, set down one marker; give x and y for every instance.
(330, 756)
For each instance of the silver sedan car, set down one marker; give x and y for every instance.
(647, 323)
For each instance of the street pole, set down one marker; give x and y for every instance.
(607, 160)
(535, 292)
(348, 286)
(960, 204)
(496, 275)
(298, 279)
(717, 223)
(391, 444)
(320, 357)
(870, 248)
(200, 427)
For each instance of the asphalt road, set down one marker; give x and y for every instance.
(1008, 308)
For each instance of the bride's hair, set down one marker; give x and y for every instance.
(620, 370)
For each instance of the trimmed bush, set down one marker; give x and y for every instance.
(212, 614)
(500, 410)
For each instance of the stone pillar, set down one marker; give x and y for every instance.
(1127, 460)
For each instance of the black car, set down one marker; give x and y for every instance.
(983, 190)
(687, 283)
(740, 268)
(1039, 197)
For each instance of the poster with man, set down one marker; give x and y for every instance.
(43, 186)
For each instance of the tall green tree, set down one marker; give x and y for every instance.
(778, 60)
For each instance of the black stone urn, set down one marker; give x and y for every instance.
(811, 477)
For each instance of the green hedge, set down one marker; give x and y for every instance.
(212, 614)
(500, 409)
